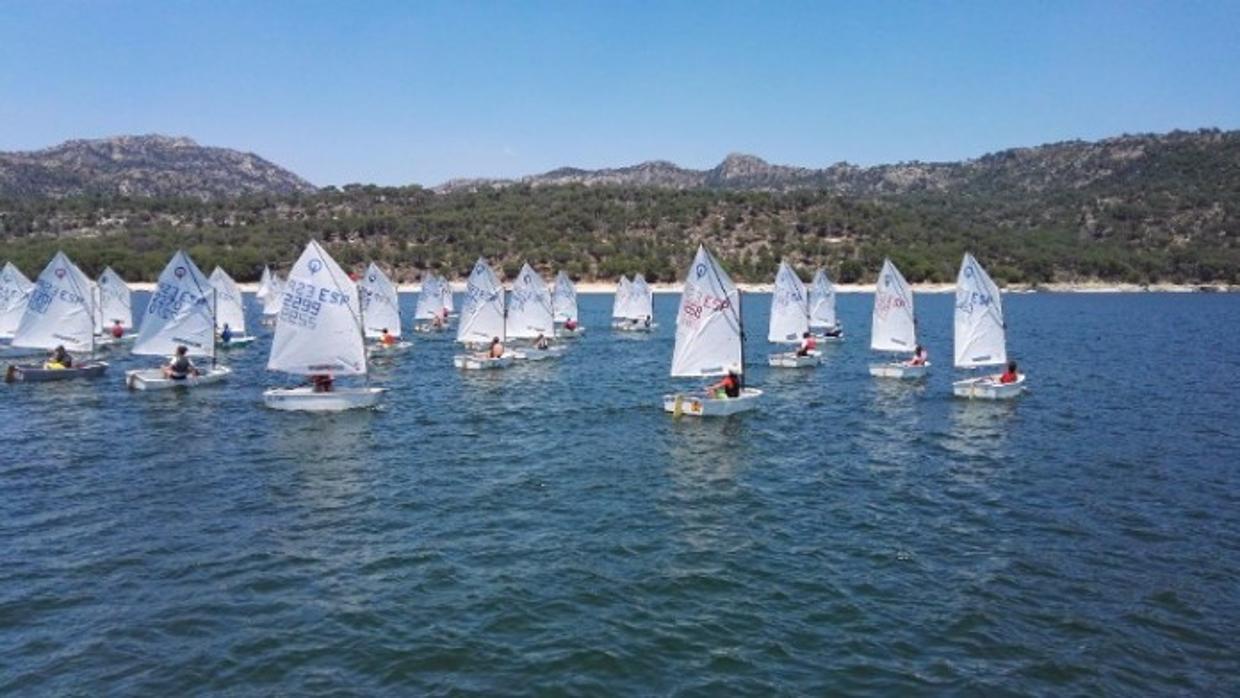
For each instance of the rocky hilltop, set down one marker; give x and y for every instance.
(1066, 165)
(142, 166)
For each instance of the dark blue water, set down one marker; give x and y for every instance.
(549, 530)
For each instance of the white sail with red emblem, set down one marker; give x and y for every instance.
(708, 325)
(893, 327)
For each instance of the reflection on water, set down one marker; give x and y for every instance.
(893, 422)
(980, 428)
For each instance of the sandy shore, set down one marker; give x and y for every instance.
(1082, 287)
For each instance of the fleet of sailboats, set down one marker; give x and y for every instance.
(319, 334)
(180, 314)
(324, 320)
(894, 326)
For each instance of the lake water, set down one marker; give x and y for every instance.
(549, 530)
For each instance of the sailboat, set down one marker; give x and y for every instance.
(790, 319)
(638, 309)
(530, 316)
(823, 321)
(620, 304)
(564, 301)
(115, 305)
(980, 334)
(180, 313)
(445, 290)
(319, 334)
(60, 312)
(381, 309)
(482, 320)
(430, 306)
(709, 340)
(229, 310)
(270, 295)
(893, 327)
(15, 291)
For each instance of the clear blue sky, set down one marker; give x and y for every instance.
(406, 92)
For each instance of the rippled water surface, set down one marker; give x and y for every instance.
(548, 529)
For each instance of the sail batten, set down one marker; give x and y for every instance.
(318, 330)
(979, 329)
(893, 327)
(708, 324)
(179, 312)
(789, 307)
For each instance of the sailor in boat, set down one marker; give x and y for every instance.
(920, 356)
(570, 324)
(646, 322)
(437, 320)
(1008, 376)
(832, 331)
(118, 330)
(728, 386)
(541, 343)
(387, 339)
(226, 335)
(59, 359)
(321, 383)
(808, 344)
(180, 367)
(495, 352)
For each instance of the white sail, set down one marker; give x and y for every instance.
(565, 298)
(641, 300)
(380, 303)
(822, 302)
(230, 305)
(15, 291)
(708, 326)
(893, 327)
(275, 298)
(529, 306)
(179, 312)
(60, 310)
(482, 313)
(789, 307)
(620, 306)
(264, 285)
(430, 299)
(319, 329)
(114, 300)
(980, 338)
(445, 289)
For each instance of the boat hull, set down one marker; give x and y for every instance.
(570, 334)
(470, 362)
(702, 406)
(988, 388)
(387, 349)
(153, 379)
(430, 329)
(305, 399)
(627, 327)
(235, 343)
(899, 371)
(790, 359)
(35, 373)
(532, 354)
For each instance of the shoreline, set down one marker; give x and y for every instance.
(594, 287)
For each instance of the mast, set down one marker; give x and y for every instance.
(740, 323)
(215, 312)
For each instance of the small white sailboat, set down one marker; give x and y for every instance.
(229, 311)
(823, 321)
(637, 309)
(59, 312)
(709, 340)
(15, 291)
(620, 304)
(893, 327)
(981, 334)
(180, 313)
(790, 320)
(482, 320)
(430, 312)
(270, 295)
(381, 310)
(564, 301)
(530, 316)
(319, 334)
(114, 305)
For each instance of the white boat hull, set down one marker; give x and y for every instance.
(153, 379)
(305, 399)
(570, 334)
(702, 406)
(381, 349)
(532, 354)
(623, 326)
(107, 340)
(235, 342)
(790, 359)
(828, 337)
(469, 362)
(430, 329)
(899, 371)
(988, 388)
(35, 373)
